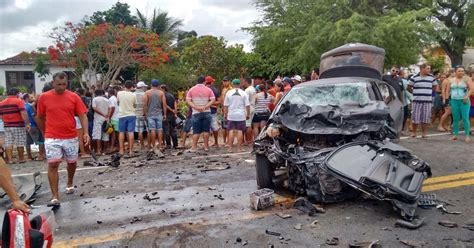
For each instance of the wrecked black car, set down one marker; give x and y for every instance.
(331, 139)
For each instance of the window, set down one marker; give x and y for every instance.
(25, 80)
(387, 92)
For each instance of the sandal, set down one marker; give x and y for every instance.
(70, 190)
(54, 203)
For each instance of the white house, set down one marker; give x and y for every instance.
(17, 71)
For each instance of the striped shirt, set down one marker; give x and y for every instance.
(10, 109)
(200, 95)
(423, 87)
(262, 103)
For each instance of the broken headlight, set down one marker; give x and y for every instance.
(273, 130)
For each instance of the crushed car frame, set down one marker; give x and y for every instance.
(331, 139)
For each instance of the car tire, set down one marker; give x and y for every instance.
(264, 172)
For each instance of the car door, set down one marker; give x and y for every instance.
(390, 97)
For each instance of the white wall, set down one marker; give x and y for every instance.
(39, 82)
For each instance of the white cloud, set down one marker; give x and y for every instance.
(25, 23)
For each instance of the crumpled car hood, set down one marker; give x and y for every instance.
(346, 120)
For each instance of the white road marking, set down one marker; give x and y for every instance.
(428, 135)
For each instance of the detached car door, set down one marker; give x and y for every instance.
(390, 97)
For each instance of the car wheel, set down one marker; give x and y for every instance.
(264, 172)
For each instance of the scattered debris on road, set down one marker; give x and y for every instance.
(446, 211)
(272, 233)
(332, 241)
(136, 219)
(412, 243)
(218, 168)
(147, 197)
(283, 216)
(298, 226)
(365, 244)
(219, 197)
(414, 224)
(469, 226)
(262, 199)
(113, 162)
(314, 224)
(307, 207)
(448, 223)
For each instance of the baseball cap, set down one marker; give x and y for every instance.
(297, 78)
(287, 79)
(141, 84)
(210, 79)
(235, 81)
(226, 79)
(155, 82)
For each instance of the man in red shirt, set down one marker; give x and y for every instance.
(56, 111)
(15, 118)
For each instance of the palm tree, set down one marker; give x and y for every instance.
(162, 24)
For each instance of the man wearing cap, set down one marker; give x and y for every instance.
(155, 110)
(200, 98)
(214, 121)
(236, 112)
(140, 125)
(287, 82)
(296, 79)
(246, 84)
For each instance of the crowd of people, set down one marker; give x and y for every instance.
(441, 99)
(68, 124)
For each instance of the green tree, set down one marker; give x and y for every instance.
(205, 55)
(41, 65)
(183, 39)
(161, 23)
(173, 75)
(117, 14)
(292, 35)
(455, 29)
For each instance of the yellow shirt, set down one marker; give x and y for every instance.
(126, 101)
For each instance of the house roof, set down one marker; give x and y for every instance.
(22, 58)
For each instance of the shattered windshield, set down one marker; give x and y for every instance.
(354, 93)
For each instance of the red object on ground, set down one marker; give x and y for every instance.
(19, 231)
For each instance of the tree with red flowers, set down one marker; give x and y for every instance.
(105, 49)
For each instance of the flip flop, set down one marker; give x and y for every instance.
(70, 190)
(54, 203)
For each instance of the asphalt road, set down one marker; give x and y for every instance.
(199, 208)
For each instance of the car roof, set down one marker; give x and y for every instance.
(336, 80)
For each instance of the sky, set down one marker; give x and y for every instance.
(24, 24)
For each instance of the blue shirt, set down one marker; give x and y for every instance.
(29, 110)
